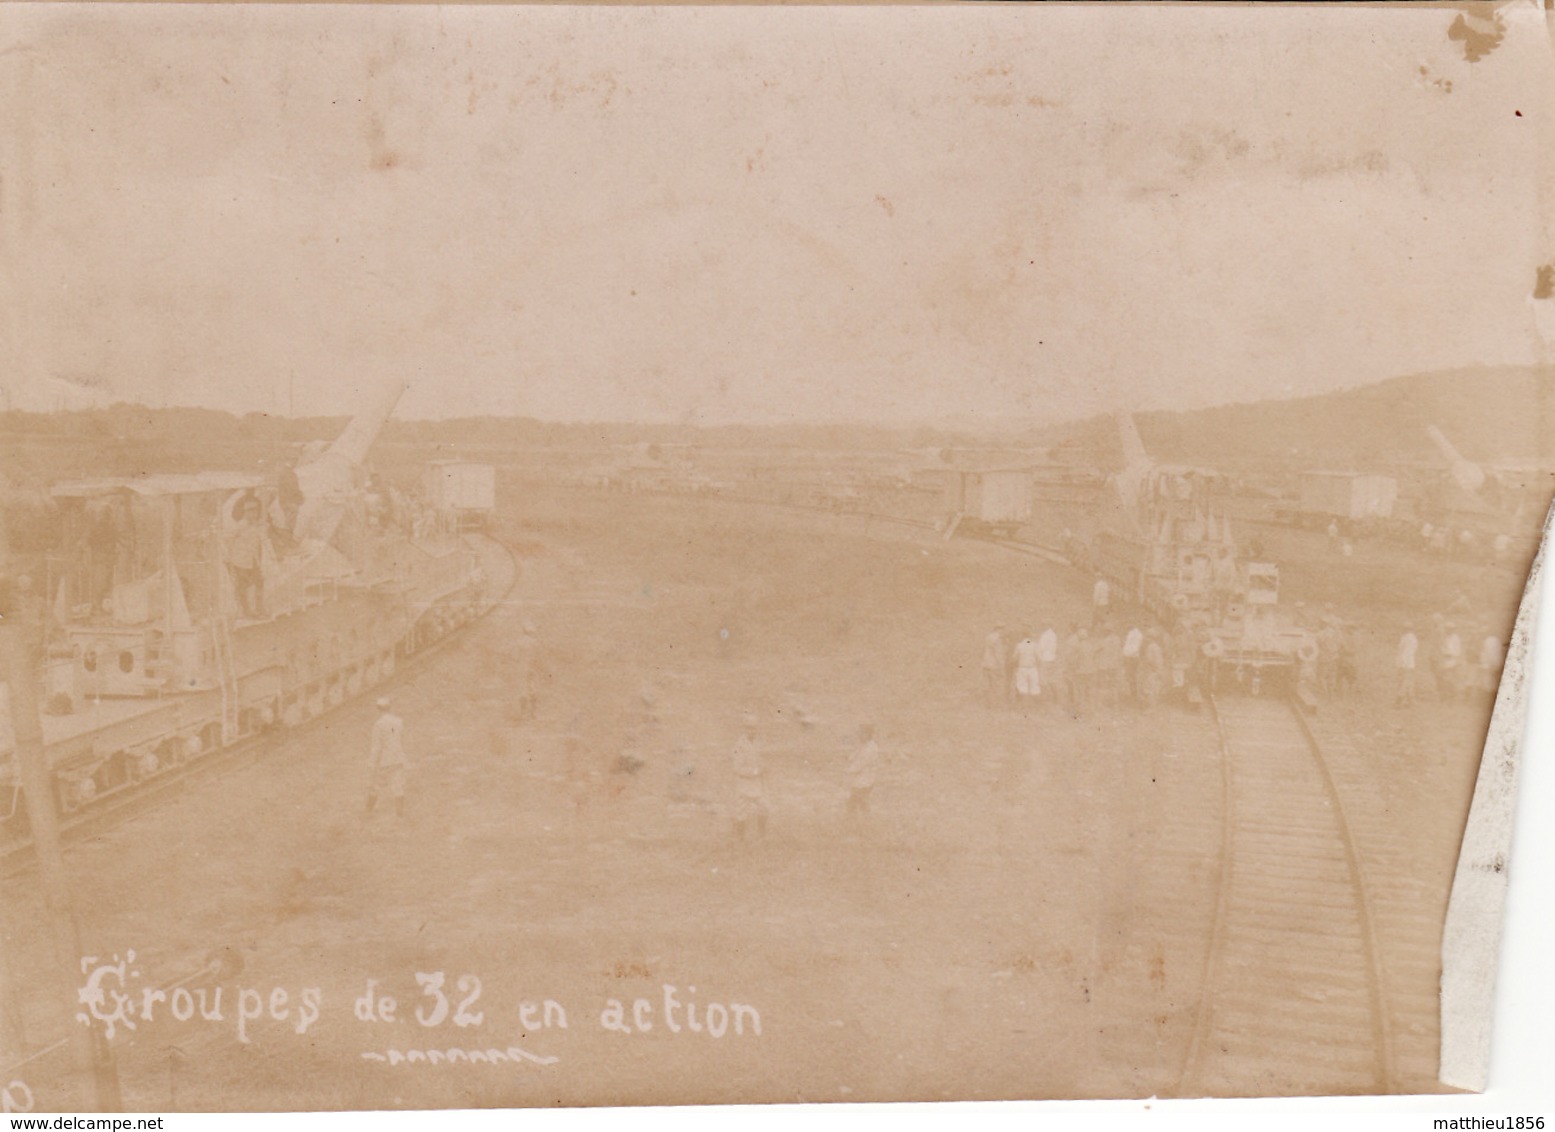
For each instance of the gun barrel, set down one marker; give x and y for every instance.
(326, 480)
(1469, 476)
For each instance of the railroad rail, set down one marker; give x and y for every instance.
(1031, 549)
(1294, 998)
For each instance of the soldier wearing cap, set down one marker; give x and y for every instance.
(750, 789)
(386, 758)
(996, 668)
(1405, 659)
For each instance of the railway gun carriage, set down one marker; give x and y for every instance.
(1164, 539)
(1253, 643)
(1172, 550)
(187, 613)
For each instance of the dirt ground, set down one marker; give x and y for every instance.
(983, 932)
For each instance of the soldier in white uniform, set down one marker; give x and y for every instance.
(525, 663)
(1028, 671)
(386, 759)
(996, 668)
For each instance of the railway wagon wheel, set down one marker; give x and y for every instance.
(170, 752)
(75, 790)
(141, 765)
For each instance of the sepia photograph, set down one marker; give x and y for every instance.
(625, 556)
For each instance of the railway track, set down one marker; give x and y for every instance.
(1291, 995)
(1294, 998)
(869, 518)
(15, 852)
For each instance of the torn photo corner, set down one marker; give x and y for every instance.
(1471, 938)
(624, 555)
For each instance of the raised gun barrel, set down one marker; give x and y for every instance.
(329, 478)
(1470, 477)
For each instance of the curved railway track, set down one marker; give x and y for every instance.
(15, 852)
(1291, 994)
(1294, 998)
(1030, 549)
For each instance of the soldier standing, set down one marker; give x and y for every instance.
(1348, 671)
(1492, 657)
(1028, 671)
(289, 495)
(750, 789)
(1133, 644)
(1047, 663)
(246, 548)
(1328, 645)
(1450, 686)
(1085, 671)
(386, 759)
(524, 665)
(1153, 668)
(996, 659)
(1069, 666)
(1101, 598)
(1109, 667)
(1404, 662)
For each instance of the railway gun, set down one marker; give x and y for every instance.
(185, 614)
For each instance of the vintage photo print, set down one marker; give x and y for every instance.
(571, 555)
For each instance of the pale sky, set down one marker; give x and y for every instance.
(761, 214)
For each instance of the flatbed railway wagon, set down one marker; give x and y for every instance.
(1354, 501)
(1252, 645)
(150, 656)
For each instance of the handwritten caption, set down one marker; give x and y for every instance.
(116, 995)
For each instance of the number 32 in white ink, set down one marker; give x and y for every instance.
(432, 986)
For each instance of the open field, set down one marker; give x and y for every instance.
(1000, 925)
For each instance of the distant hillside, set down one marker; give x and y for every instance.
(1490, 414)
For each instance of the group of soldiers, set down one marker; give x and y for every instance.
(1098, 667)
(1444, 542)
(1110, 666)
(1119, 660)
(750, 778)
(1460, 667)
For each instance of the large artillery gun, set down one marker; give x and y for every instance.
(184, 613)
(1163, 536)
